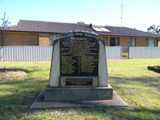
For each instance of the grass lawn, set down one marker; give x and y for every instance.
(139, 87)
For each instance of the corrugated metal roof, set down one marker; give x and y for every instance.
(56, 27)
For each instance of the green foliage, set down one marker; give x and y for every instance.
(81, 23)
(139, 87)
(154, 29)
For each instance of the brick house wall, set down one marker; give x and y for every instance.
(158, 42)
(19, 39)
(25, 39)
(140, 41)
(124, 41)
(44, 39)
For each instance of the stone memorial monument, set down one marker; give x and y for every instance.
(78, 69)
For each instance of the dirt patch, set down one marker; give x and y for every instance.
(12, 74)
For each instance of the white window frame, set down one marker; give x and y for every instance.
(105, 40)
(152, 42)
(132, 41)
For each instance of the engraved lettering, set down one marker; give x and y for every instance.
(79, 54)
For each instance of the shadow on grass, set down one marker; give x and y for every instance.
(111, 113)
(13, 70)
(125, 113)
(149, 81)
(21, 95)
(18, 96)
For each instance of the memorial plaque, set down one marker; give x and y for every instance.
(79, 81)
(79, 53)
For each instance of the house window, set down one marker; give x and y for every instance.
(105, 40)
(151, 42)
(114, 41)
(52, 37)
(156, 42)
(132, 42)
(117, 41)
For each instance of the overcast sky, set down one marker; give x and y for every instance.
(139, 14)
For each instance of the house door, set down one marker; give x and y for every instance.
(114, 41)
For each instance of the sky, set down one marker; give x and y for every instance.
(139, 14)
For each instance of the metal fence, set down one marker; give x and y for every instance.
(113, 52)
(38, 53)
(144, 52)
(25, 53)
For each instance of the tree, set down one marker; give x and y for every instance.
(154, 29)
(81, 23)
(3, 27)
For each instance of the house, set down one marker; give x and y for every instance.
(41, 33)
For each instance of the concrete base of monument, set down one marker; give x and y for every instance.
(41, 103)
(77, 93)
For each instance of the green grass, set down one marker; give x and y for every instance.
(139, 87)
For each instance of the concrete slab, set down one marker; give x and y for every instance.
(39, 103)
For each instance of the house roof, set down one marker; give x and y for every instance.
(56, 27)
(48, 27)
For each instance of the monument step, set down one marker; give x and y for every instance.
(78, 93)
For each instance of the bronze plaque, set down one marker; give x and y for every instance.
(79, 53)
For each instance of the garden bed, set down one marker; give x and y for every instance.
(8, 74)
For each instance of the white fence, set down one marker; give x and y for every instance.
(38, 53)
(144, 52)
(25, 53)
(113, 52)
